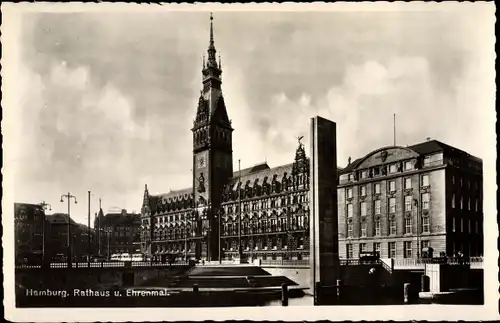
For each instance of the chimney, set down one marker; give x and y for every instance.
(349, 160)
(124, 211)
(428, 138)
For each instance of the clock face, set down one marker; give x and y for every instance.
(201, 161)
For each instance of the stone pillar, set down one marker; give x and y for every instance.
(406, 292)
(324, 245)
(284, 295)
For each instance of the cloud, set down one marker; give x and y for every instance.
(363, 106)
(77, 134)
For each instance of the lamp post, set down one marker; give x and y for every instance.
(216, 218)
(68, 197)
(252, 241)
(206, 233)
(219, 224)
(186, 233)
(44, 207)
(240, 254)
(289, 230)
(108, 234)
(415, 201)
(88, 258)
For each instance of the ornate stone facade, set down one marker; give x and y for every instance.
(263, 209)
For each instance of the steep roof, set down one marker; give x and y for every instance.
(176, 193)
(260, 173)
(252, 169)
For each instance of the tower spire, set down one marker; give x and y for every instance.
(211, 30)
(211, 47)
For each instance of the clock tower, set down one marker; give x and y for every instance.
(212, 153)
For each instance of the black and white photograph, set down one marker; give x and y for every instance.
(285, 161)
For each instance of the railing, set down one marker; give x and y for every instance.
(109, 264)
(285, 262)
(386, 265)
(409, 263)
(356, 262)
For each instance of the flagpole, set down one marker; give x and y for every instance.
(394, 122)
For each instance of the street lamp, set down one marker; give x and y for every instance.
(415, 201)
(206, 233)
(219, 228)
(187, 231)
(288, 232)
(68, 197)
(239, 213)
(108, 234)
(44, 206)
(88, 260)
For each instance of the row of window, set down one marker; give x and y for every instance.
(461, 203)
(122, 233)
(463, 224)
(391, 186)
(377, 205)
(393, 168)
(268, 203)
(163, 219)
(468, 182)
(263, 243)
(391, 247)
(299, 222)
(408, 227)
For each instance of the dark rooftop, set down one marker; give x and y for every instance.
(423, 148)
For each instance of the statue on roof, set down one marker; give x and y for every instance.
(299, 139)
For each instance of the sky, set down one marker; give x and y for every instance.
(108, 98)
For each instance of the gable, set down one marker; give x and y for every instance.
(385, 155)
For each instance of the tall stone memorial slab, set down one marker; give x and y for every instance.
(324, 252)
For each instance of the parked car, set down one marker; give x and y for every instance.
(138, 257)
(125, 257)
(59, 258)
(115, 257)
(99, 258)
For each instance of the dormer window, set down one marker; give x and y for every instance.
(427, 161)
(408, 165)
(393, 168)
